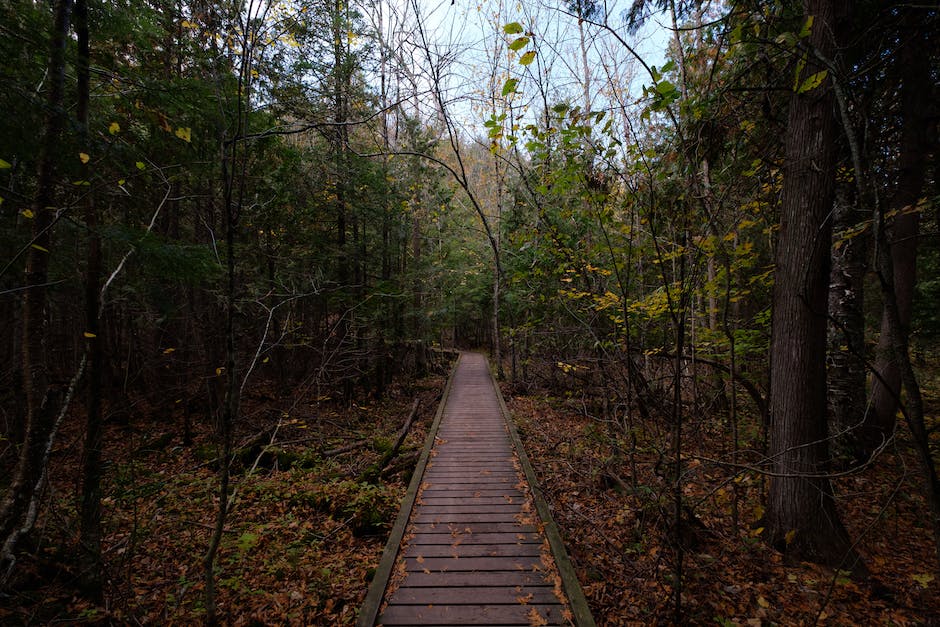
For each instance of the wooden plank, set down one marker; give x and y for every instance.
(471, 528)
(473, 564)
(476, 538)
(459, 550)
(464, 519)
(457, 579)
(514, 614)
(454, 491)
(476, 595)
(475, 501)
(471, 508)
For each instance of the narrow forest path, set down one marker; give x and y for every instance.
(472, 545)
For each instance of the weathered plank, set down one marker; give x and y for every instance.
(460, 550)
(510, 614)
(428, 539)
(458, 579)
(471, 595)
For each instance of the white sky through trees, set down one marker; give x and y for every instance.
(467, 40)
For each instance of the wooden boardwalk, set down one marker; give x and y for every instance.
(472, 545)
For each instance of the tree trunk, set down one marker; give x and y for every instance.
(40, 406)
(903, 230)
(90, 506)
(801, 515)
(847, 323)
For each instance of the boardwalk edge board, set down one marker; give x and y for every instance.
(576, 598)
(369, 611)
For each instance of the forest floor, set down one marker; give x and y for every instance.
(306, 531)
(611, 495)
(302, 540)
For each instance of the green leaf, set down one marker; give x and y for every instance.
(812, 82)
(513, 28)
(140, 165)
(798, 72)
(5, 165)
(665, 88)
(38, 247)
(786, 39)
(519, 43)
(510, 86)
(527, 58)
(807, 27)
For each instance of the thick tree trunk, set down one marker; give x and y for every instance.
(40, 405)
(903, 230)
(801, 515)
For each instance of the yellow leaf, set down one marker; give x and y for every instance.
(923, 579)
(140, 165)
(5, 165)
(121, 181)
(27, 213)
(89, 334)
(114, 128)
(789, 537)
(764, 603)
(38, 247)
(812, 82)
(757, 532)
(219, 371)
(167, 351)
(265, 360)
(188, 24)
(184, 133)
(84, 157)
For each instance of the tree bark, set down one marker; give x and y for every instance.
(801, 517)
(847, 371)
(40, 406)
(916, 89)
(90, 505)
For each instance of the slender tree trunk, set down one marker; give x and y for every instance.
(40, 403)
(847, 322)
(90, 506)
(903, 230)
(801, 515)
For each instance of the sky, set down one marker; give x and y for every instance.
(468, 31)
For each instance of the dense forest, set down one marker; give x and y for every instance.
(243, 242)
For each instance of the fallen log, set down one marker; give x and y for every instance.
(373, 472)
